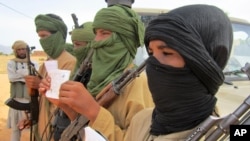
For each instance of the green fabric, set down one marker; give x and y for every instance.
(125, 22)
(84, 33)
(69, 48)
(110, 59)
(18, 90)
(53, 45)
(80, 54)
(44, 22)
(113, 55)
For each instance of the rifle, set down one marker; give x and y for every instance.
(75, 20)
(118, 84)
(84, 72)
(71, 132)
(17, 105)
(239, 116)
(82, 75)
(34, 105)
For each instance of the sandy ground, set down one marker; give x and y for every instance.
(4, 95)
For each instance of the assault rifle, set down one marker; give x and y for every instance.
(83, 73)
(75, 20)
(117, 86)
(71, 132)
(34, 104)
(240, 116)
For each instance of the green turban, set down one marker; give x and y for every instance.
(84, 33)
(114, 54)
(125, 22)
(54, 44)
(46, 22)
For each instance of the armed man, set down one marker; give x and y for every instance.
(81, 37)
(17, 69)
(118, 33)
(52, 32)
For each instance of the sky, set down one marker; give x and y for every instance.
(17, 16)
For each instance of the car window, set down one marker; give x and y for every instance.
(240, 53)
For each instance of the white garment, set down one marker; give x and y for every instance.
(16, 72)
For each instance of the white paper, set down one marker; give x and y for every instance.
(92, 135)
(57, 78)
(51, 65)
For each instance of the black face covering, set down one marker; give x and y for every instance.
(181, 100)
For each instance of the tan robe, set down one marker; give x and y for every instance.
(65, 62)
(114, 121)
(140, 127)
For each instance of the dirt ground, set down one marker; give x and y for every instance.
(4, 95)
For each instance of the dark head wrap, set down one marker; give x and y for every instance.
(184, 97)
(202, 34)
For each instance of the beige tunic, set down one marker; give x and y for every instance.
(140, 127)
(114, 122)
(65, 62)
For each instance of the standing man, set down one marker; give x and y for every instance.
(81, 38)
(52, 32)
(18, 68)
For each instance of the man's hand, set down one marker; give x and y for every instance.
(77, 97)
(32, 82)
(25, 123)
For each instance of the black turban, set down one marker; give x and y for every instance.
(202, 34)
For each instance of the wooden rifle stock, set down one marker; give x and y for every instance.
(110, 93)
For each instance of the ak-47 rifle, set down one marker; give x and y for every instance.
(75, 20)
(118, 84)
(240, 116)
(71, 132)
(34, 105)
(83, 73)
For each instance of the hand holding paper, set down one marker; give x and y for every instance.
(57, 78)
